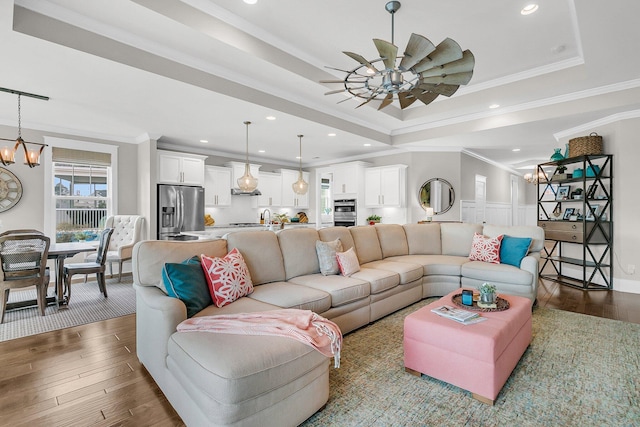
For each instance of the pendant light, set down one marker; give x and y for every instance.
(247, 182)
(300, 186)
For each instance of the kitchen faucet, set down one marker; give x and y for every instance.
(264, 215)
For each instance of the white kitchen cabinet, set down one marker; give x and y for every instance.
(180, 168)
(289, 197)
(217, 186)
(348, 180)
(385, 186)
(270, 185)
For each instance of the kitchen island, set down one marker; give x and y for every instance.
(217, 231)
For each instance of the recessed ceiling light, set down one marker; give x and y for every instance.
(270, 118)
(331, 134)
(298, 157)
(516, 149)
(251, 1)
(492, 106)
(367, 145)
(204, 141)
(529, 9)
(261, 151)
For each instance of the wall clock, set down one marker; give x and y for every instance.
(10, 190)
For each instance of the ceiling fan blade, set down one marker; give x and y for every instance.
(386, 101)
(463, 65)
(334, 91)
(425, 97)
(361, 59)
(441, 89)
(417, 48)
(406, 99)
(447, 51)
(331, 81)
(450, 79)
(388, 52)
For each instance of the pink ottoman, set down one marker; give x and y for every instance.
(479, 357)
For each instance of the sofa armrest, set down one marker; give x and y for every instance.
(157, 317)
(530, 263)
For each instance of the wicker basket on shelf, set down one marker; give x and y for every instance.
(585, 145)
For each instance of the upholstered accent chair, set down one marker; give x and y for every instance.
(127, 231)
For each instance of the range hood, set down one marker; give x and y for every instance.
(238, 192)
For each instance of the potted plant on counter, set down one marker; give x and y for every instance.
(373, 219)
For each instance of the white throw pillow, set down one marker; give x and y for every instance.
(327, 256)
(348, 262)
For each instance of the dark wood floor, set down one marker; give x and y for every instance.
(90, 375)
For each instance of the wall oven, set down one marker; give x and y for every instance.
(344, 212)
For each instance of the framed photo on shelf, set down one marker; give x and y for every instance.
(591, 191)
(568, 213)
(593, 212)
(563, 192)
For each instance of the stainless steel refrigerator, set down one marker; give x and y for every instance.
(180, 208)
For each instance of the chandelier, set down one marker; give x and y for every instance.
(535, 176)
(247, 182)
(32, 150)
(424, 72)
(300, 186)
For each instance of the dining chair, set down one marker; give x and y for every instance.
(96, 267)
(23, 263)
(127, 231)
(21, 231)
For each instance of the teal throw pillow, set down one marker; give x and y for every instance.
(186, 282)
(513, 249)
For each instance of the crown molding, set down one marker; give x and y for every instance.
(589, 126)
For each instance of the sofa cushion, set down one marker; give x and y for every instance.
(408, 272)
(423, 239)
(380, 280)
(457, 238)
(343, 290)
(186, 282)
(333, 233)
(234, 372)
(365, 239)
(298, 247)
(496, 273)
(348, 262)
(435, 265)
(290, 295)
(513, 249)
(327, 259)
(228, 277)
(255, 246)
(485, 249)
(393, 241)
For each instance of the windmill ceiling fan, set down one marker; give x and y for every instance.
(424, 72)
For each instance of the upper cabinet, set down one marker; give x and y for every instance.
(217, 186)
(385, 186)
(269, 185)
(180, 168)
(348, 180)
(289, 197)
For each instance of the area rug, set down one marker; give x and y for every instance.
(578, 371)
(87, 305)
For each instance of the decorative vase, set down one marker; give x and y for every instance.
(488, 298)
(557, 155)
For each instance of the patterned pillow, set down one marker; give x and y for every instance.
(327, 256)
(485, 249)
(228, 277)
(348, 262)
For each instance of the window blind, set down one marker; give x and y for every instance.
(68, 155)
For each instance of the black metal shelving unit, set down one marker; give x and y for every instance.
(592, 230)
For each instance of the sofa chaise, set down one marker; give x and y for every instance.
(239, 380)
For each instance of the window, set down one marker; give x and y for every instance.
(81, 198)
(80, 178)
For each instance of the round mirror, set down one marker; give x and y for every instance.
(437, 194)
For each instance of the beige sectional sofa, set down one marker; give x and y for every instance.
(217, 379)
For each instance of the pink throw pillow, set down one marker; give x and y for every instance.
(348, 262)
(486, 249)
(228, 277)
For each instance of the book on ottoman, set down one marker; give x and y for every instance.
(459, 315)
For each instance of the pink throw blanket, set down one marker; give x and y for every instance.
(302, 325)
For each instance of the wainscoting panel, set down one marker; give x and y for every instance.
(498, 213)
